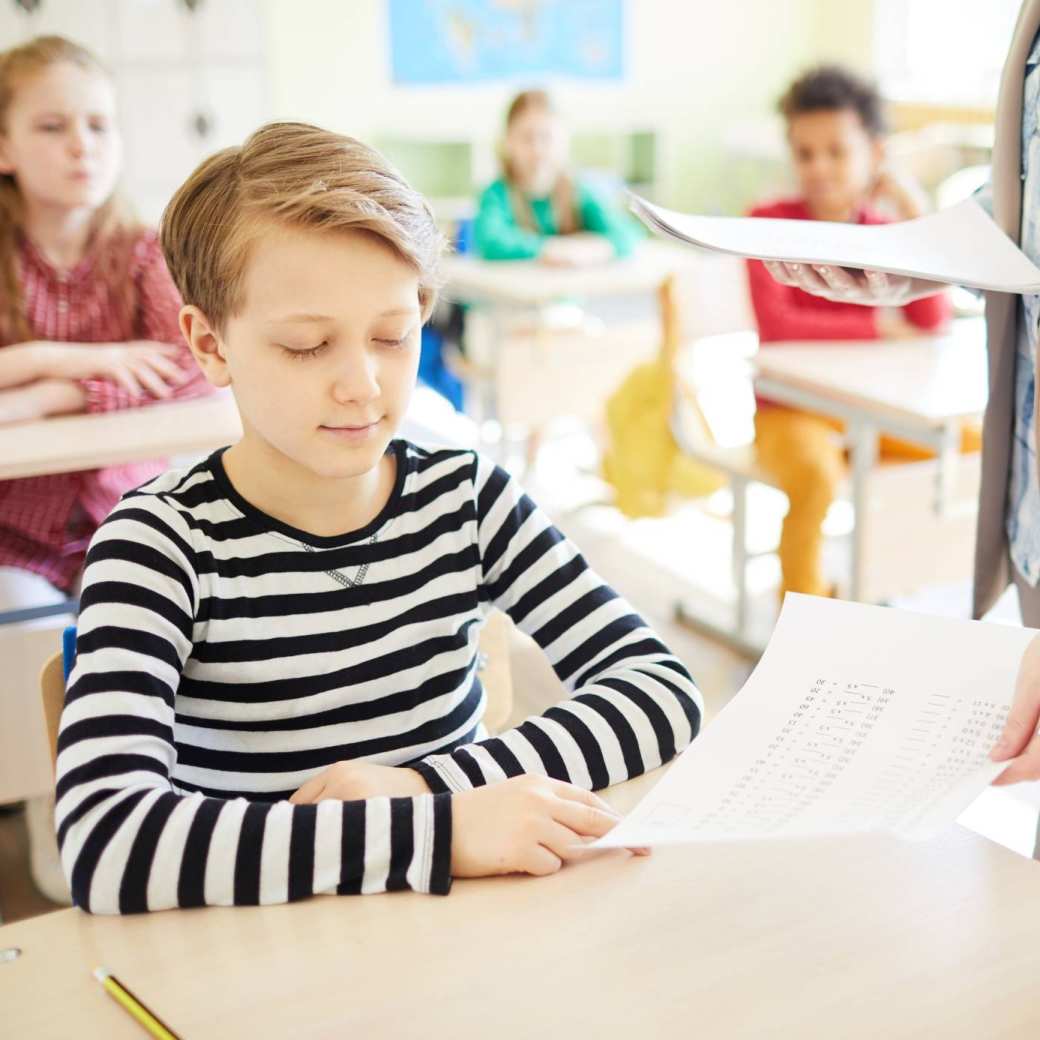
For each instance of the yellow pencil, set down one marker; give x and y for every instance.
(117, 991)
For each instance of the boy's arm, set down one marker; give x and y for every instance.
(157, 320)
(130, 842)
(497, 235)
(633, 705)
(781, 313)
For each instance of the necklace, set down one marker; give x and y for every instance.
(343, 579)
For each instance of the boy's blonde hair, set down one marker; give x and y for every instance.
(299, 176)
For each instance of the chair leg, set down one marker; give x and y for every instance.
(740, 554)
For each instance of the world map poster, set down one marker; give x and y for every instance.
(471, 41)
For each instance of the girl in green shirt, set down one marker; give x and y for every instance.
(537, 209)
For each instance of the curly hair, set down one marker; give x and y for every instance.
(829, 88)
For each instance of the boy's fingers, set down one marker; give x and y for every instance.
(306, 794)
(586, 820)
(562, 841)
(578, 794)
(541, 861)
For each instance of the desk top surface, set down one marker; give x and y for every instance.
(528, 283)
(69, 443)
(859, 937)
(929, 380)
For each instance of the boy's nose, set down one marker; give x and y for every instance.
(356, 382)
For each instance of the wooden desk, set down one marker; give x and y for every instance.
(849, 938)
(529, 284)
(62, 445)
(69, 443)
(919, 390)
(555, 366)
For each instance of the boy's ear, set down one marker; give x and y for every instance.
(205, 345)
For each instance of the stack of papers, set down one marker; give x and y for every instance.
(960, 245)
(857, 719)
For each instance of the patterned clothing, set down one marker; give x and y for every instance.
(46, 522)
(1023, 510)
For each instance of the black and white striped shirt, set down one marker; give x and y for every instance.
(224, 658)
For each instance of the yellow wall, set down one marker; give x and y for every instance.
(704, 71)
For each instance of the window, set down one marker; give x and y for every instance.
(945, 52)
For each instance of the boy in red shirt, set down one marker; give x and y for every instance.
(835, 132)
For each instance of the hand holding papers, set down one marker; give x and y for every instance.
(857, 718)
(960, 245)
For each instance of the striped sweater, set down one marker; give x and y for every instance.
(225, 657)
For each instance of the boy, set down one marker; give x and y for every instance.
(835, 132)
(275, 690)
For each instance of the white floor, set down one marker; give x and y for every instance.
(685, 556)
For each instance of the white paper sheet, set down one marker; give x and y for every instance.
(960, 245)
(857, 718)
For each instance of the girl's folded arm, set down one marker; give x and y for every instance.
(496, 232)
(158, 321)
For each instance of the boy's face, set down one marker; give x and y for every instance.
(835, 158)
(323, 354)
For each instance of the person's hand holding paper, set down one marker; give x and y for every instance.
(958, 246)
(1019, 744)
(869, 287)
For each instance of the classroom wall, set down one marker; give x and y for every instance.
(706, 72)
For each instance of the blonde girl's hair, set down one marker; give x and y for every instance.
(294, 175)
(114, 229)
(561, 195)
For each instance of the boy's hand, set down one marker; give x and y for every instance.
(525, 825)
(352, 781)
(904, 194)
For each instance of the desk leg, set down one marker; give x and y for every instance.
(946, 474)
(482, 388)
(863, 443)
(740, 554)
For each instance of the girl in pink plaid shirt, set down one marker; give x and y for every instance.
(88, 322)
